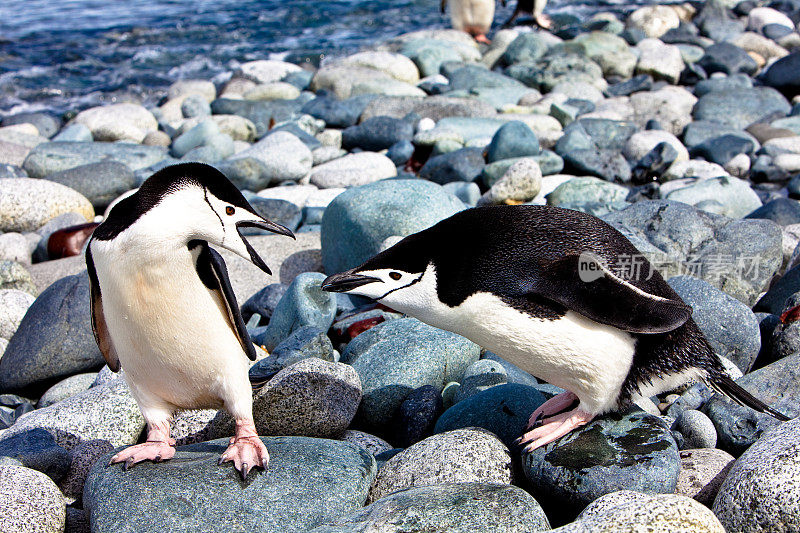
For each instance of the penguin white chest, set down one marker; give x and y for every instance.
(468, 14)
(172, 335)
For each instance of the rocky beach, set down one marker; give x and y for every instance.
(677, 124)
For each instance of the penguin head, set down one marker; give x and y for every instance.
(402, 277)
(188, 202)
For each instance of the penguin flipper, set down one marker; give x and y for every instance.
(99, 327)
(214, 275)
(603, 296)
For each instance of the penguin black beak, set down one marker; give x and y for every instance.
(346, 281)
(261, 224)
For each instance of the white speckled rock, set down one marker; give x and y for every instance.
(371, 443)
(265, 70)
(762, 490)
(633, 512)
(461, 455)
(761, 16)
(352, 170)
(26, 204)
(14, 247)
(283, 155)
(784, 145)
(520, 183)
(118, 122)
(662, 61)
(66, 388)
(277, 90)
(13, 154)
(183, 88)
(106, 375)
(694, 168)
(297, 194)
(702, 472)
(106, 412)
(396, 66)
(654, 21)
(3, 344)
(697, 429)
(191, 426)
(30, 502)
(670, 106)
(239, 128)
(643, 141)
(84, 455)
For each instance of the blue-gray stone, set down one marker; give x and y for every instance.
(727, 58)
(514, 139)
(729, 325)
(633, 451)
(526, 47)
(377, 133)
(195, 105)
(261, 113)
(264, 301)
(782, 211)
(74, 133)
(482, 375)
(514, 374)
(775, 31)
(470, 77)
(504, 410)
(396, 357)
(279, 211)
(451, 507)
(549, 163)
(429, 54)
(740, 107)
(784, 74)
(247, 173)
(595, 133)
(338, 113)
(37, 449)
(304, 304)
(702, 131)
(777, 385)
(697, 430)
(775, 300)
(467, 192)
(46, 123)
(303, 343)
(547, 72)
(722, 149)
(194, 137)
(100, 183)
(51, 157)
(54, 339)
(783, 340)
(299, 78)
(400, 152)
(12, 171)
(309, 481)
(416, 416)
(681, 239)
(465, 164)
(294, 128)
(356, 222)
(590, 195)
(607, 164)
(737, 81)
(642, 82)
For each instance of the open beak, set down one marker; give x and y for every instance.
(346, 281)
(262, 224)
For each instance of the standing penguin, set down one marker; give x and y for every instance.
(542, 287)
(534, 8)
(472, 16)
(164, 310)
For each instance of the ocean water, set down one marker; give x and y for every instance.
(71, 54)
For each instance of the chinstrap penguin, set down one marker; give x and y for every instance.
(534, 8)
(163, 308)
(544, 288)
(472, 16)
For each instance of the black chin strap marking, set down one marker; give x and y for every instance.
(205, 197)
(417, 280)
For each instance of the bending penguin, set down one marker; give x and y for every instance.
(472, 16)
(543, 288)
(163, 308)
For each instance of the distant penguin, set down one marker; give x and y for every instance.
(163, 308)
(547, 289)
(472, 16)
(534, 8)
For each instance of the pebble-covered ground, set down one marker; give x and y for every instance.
(679, 127)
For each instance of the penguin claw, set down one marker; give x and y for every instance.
(246, 453)
(156, 451)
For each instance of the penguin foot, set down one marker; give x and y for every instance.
(155, 451)
(246, 450)
(543, 21)
(554, 428)
(481, 38)
(553, 406)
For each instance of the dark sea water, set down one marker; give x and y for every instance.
(70, 54)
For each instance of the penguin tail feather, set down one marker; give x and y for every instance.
(723, 384)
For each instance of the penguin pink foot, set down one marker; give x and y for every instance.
(544, 21)
(158, 447)
(553, 406)
(246, 449)
(482, 39)
(555, 427)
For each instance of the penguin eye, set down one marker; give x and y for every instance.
(229, 210)
(395, 275)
